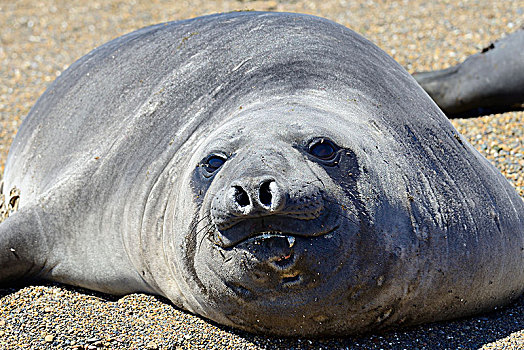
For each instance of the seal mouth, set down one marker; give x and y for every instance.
(257, 236)
(268, 235)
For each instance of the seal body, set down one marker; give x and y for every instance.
(273, 172)
(488, 82)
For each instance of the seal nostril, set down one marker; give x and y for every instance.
(241, 196)
(264, 194)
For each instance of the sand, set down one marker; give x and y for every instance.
(39, 39)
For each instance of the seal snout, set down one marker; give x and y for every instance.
(251, 206)
(255, 198)
(265, 196)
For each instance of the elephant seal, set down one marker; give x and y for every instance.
(488, 82)
(273, 172)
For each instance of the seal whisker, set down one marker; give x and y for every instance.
(210, 229)
(207, 229)
(195, 224)
(193, 230)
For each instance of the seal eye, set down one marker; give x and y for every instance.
(323, 149)
(213, 163)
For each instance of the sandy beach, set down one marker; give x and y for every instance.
(40, 39)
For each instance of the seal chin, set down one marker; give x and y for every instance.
(262, 281)
(281, 254)
(273, 261)
(277, 266)
(273, 254)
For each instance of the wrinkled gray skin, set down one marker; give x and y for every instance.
(491, 81)
(404, 223)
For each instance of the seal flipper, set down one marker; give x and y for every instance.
(438, 84)
(20, 247)
(488, 82)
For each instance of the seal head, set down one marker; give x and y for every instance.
(274, 239)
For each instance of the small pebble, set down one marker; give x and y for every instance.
(49, 338)
(152, 345)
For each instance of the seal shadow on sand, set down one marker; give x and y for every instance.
(481, 329)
